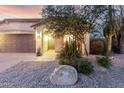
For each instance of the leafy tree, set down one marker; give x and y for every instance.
(75, 20)
(111, 27)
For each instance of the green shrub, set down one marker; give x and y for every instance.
(68, 62)
(38, 52)
(84, 66)
(70, 55)
(64, 62)
(70, 51)
(104, 61)
(80, 64)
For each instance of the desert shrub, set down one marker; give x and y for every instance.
(38, 52)
(104, 61)
(84, 66)
(70, 55)
(97, 46)
(71, 62)
(80, 64)
(64, 62)
(69, 51)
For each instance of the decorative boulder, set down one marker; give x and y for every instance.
(64, 75)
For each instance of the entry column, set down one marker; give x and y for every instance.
(38, 43)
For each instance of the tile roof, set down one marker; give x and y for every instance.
(37, 24)
(21, 20)
(18, 24)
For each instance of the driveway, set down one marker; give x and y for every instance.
(8, 60)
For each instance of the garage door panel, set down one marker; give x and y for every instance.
(17, 43)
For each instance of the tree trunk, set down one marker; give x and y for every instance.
(109, 45)
(85, 48)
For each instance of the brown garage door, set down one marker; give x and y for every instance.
(17, 43)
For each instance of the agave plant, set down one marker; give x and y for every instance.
(70, 51)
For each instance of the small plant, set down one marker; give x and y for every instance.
(84, 66)
(70, 51)
(80, 64)
(104, 61)
(64, 62)
(38, 52)
(70, 55)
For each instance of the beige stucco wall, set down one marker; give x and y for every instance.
(41, 42)
(38, 40)
(59, 43)
(17, 26)
(45, 44)
(87, 41)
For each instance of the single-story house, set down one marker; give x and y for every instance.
(45, 41)
(28, 35)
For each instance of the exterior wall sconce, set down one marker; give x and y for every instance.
(38, 34)
(68, 38)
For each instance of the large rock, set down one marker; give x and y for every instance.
(64, 75)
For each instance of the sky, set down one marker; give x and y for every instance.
(20, 11)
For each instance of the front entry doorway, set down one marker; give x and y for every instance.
(51, 43)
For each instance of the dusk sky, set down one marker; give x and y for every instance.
(20, 11)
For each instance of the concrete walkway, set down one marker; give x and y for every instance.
(50, 55)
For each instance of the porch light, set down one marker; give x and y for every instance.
(46, 37)
(68, 38)
(38, 35)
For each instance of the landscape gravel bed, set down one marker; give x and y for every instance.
(36, 75)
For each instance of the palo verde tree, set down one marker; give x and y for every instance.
(75, 20)
(111, 27)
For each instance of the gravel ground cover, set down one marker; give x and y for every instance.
(36, 75)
